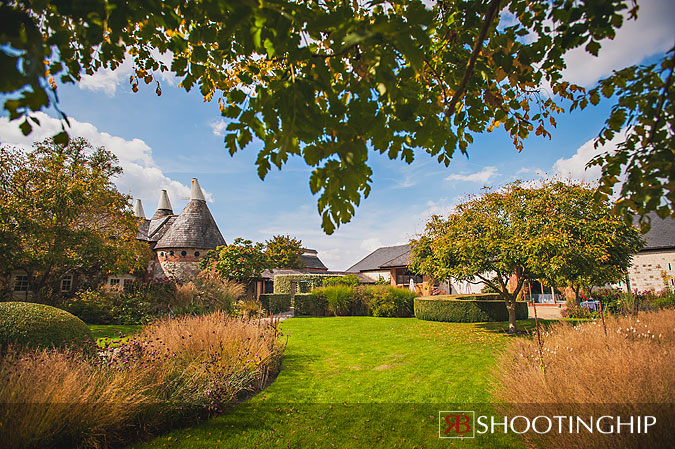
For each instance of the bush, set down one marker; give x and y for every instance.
(581, 370)
(92, 306)
(350, 280)
(306, 282)
(276, 302)
(339, 298)
(579, 312)
(311, 304)
(174, 371)
(465, 311)
(35, 325)
(388, 301)
(249, 308)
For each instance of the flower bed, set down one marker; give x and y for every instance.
(173, 371)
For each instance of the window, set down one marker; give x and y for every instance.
(21, 283)
(114, 282)
(170, 253)
(196, 253)
(128, 282)
(67, 283)
(183, 253)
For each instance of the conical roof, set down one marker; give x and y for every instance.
(164, 206)
(194, 227)
(138, 209)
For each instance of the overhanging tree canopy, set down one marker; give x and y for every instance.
(557, 231)
(327, 81)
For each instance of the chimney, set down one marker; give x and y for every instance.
(164, 203)
(196, 191)
(138, 209)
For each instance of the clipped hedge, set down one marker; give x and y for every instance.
(306, 282)
(465, 311)
(276, 302)
(310, 304)
(30, 324)
(471, 296)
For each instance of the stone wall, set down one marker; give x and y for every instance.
(177, 263)
(648, 268)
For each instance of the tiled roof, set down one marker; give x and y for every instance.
(311, 260)
(381, 256)
(143, 226)
(662, 233)
(193, 228)
(158, 227)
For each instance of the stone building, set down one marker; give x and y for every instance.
(177, 241)
(654, 265)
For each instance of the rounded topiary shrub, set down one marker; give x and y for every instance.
(29, 324)
(465, 311)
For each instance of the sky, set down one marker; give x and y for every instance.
(163, 142)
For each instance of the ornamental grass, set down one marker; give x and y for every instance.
(624, 366)
(174, 371)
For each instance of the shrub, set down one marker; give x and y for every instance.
(216, 293)
(306, 282)
(175, 370)
(388, 301)
(92, 306)
(350, 280)
(465, 311)
(276, 302)
(312, 304)
(29, 324)
(339, 298)
(249, 308)
(579, 312)
(581, 370)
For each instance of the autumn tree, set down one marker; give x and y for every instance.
(503, 238)
(242, 260)
(284, 251)
(331, 82)
(60, 213)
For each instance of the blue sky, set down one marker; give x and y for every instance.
(163, 142)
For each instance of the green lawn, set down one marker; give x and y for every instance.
(362, 382)
(110, 332)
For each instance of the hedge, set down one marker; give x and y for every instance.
(471, 296)
(306, 282)
(466, 311)
(25, 323)
(310, 304)
(276, 302)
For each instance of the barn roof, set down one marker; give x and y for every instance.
(380, 258)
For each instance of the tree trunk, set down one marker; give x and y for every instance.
(576, 294)
(511, 307)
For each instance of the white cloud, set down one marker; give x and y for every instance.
(218, 127)
(482, 176)
(107, 80)
(531, 171)
(575, 167)
(142, 178)
(651, 34)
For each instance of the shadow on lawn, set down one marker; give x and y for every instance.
(525, 327)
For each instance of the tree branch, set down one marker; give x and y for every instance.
(659, 108)
(478, 46)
